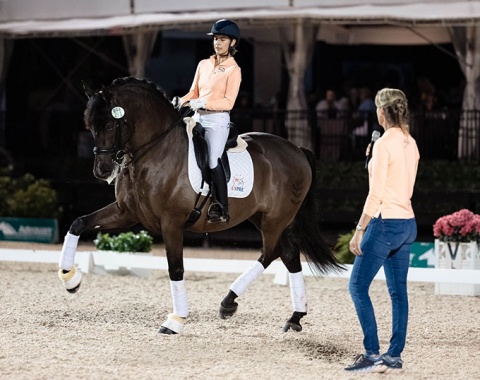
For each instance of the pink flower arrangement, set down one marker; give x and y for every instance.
(462, 226)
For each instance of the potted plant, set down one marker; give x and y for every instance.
(457, 237)
(124, 243)
(28, 210)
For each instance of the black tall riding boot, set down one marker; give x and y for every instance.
(218, 210)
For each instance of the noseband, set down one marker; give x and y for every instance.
(117, 152)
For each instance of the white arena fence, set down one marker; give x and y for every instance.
(103, 262)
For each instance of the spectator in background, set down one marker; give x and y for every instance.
(367, 105)
(429, 102)
(366, 112)
(330, 107)
(429, 99)
(353, 98)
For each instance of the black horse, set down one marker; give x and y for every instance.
(141, 143)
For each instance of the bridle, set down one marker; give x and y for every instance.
(118, 150)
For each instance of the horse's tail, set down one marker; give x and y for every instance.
(306, 229)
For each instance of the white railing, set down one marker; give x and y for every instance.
(102, 262)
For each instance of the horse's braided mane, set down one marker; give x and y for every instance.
(132, 81)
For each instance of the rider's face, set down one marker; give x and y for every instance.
(222, 43)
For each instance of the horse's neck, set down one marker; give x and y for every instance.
(150, 125)
(162, 138)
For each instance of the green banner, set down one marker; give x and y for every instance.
(422, 255)
(29, 229)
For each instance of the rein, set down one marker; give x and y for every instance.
(148, 145)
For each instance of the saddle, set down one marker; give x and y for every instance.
(201, 150)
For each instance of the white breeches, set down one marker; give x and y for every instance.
(216, 126)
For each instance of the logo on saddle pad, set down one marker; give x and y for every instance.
(241, 168)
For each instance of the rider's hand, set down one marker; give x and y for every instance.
(177, 102)
(196, 104)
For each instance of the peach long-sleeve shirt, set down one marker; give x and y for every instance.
(392, 172)
(218, 85)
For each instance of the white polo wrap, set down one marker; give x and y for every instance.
(179, 297)
(67, 257)
(297, 292)
(241, 284)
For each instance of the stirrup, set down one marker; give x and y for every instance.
(217, 213)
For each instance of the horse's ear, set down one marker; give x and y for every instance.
(88, 91)
(106, 94)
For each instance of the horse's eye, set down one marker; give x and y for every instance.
(109, 127)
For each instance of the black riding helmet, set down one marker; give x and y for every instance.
(226, 28)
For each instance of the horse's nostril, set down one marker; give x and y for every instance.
(102, 170)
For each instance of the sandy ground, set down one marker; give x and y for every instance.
(109, 329)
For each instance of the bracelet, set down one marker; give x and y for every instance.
(359, 228)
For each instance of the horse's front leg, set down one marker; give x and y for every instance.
(173, 239)
(108, 217)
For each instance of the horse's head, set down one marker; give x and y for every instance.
(109, 130)
(113, 115)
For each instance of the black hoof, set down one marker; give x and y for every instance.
(227, 311)
(294, 326)
(294, 322)
(166, 331)
(74, 290)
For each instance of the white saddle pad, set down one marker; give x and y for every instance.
(241, 168)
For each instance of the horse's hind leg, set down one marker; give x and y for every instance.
(291, 258)
(299, 301)
(228, 306)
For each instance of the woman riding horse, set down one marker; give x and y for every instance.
(141, 143)
(212, 95)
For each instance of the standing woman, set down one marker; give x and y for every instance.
(385, 232)
(212, 95)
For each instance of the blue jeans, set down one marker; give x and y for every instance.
(386, 242)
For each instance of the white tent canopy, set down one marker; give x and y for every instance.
(343, 21)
